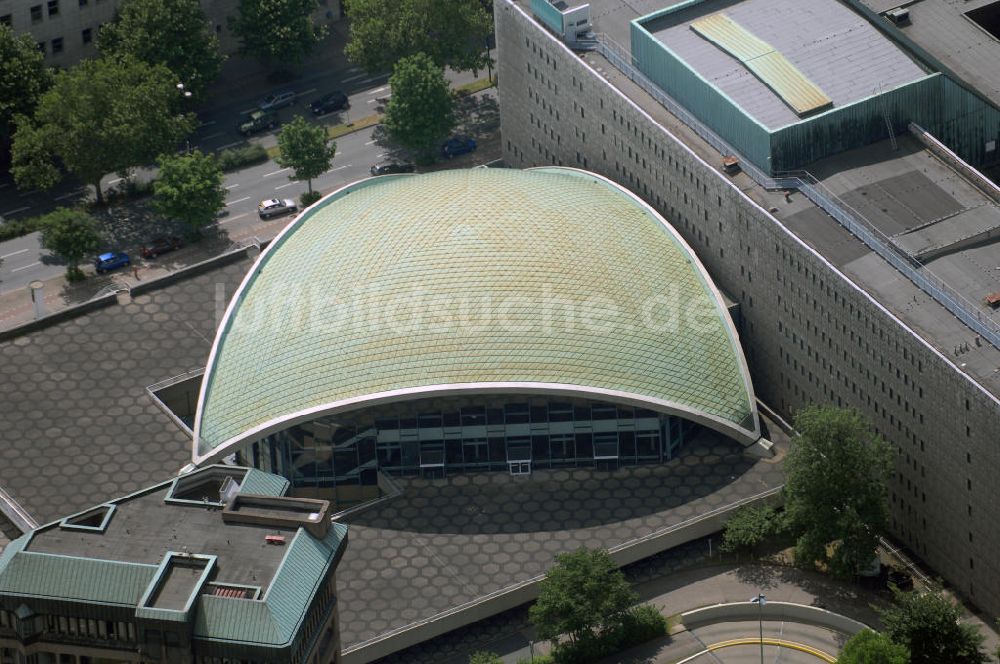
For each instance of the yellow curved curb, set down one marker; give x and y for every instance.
(801, 647)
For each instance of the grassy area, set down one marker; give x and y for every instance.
(336, 131)
(475, 86)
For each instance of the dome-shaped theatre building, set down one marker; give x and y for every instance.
(471, 320)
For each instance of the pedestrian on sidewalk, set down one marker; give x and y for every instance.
(135, 272)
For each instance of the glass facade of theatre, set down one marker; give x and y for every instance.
(432, 437)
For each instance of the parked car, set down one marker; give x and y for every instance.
(258, 121)
(329, 103)
(458, 145)
(111, 261)
(275, 207)
(160, 245)
(277, 100)
(390, 167)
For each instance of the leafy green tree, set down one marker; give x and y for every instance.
(172, 33)
(277, 31)
(451, 32)
(101, 116)
(835, 488)
(420, 112)
(748, 527)
(23, 77)
(482, 657)
(930, 625)
(868, 647)
(189, 188)
(306, 149)
(70, 234)
(583, 595)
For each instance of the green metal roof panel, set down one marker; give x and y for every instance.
(68, 578)
(263, 484)
(766, 63)
(275, 618)
(444, 279)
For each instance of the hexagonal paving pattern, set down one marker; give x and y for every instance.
(447, 541)
(78, 426)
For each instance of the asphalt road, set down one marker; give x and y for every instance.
(23, 260)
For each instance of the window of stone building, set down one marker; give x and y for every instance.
(57, 45)
(36, 16)
(5, 19)
(41, 47)
(53, 7)
(87, 35)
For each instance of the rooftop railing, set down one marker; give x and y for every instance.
(967, 311)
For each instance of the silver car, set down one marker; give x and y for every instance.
(277, 100)
(275, 207)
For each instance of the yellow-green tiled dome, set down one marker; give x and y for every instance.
(547, 280)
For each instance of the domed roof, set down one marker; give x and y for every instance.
(546, 281)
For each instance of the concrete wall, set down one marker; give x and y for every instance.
(786, 611)
(810, 334)
(73, 17)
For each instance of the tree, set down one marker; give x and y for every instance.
(748, 527)
(71, 234)
(452, 32)
(420, 111)
(868, 647)
(583, 595)
(189, 188)
(835, 488)
(23, 77)
(929, 624)
(482, 657)
(101, 116)
(306, 149)
(277, 31)
(172, 33)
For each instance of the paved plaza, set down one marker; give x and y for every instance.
(78, 426)
(448, 541)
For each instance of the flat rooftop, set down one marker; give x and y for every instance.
(945, 29)
(858, 174)
(77, 426)
(142, 529)
(833, 47)
(442, 543)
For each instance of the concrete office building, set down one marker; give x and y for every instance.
(863, 286)
(66, 30)
(471, 320)
(212, 567)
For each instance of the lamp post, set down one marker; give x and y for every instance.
(760, 601)
(187, 95)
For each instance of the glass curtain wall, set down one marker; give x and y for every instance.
(434, 436)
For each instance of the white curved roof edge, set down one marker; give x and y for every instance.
(720, 305)
(746, 437)
(227, 447)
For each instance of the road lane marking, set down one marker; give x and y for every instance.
(307, 92)
(372, 101)
(249, 110)
(282, 186)
(15, 211)
(4, 185)
(231, 186)
(339, 168)
(353, 78)
(211, 136)
(238, 200)
(64, 196)
(116, 181)
(370, 143)
(373, 78)
(13, 253)
(229, 145)
(239, 216)
(377, 90)
(276, 172)
(18, 269)
(206, 124)
(27, 193)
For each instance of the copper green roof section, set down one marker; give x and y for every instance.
(68, 578)
(771, 67)
(472, 280)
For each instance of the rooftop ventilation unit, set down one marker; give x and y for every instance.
(899, 16)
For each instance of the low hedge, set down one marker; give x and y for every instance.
(14, 228)
(246, 155)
